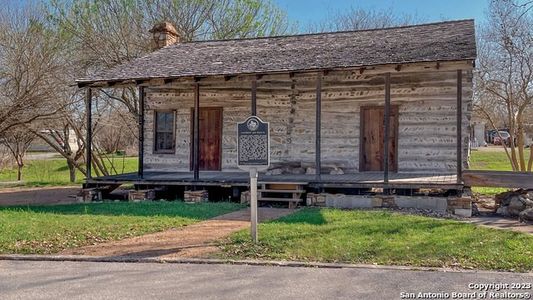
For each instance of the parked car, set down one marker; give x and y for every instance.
(489, 136)
(502, 137)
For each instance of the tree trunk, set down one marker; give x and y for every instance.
(72, 170)
(19, 172)
(530, 163)
(520, 140)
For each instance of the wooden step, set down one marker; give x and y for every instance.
(280, 199)
(283, 182)
(281, 191)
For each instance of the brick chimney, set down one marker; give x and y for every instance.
(164, 34)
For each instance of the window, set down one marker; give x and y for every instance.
(164, 132)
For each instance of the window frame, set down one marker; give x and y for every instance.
(164, 151)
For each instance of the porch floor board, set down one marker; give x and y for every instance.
(358, 180)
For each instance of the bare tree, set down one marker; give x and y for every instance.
(504, 81)
(17, 140)
(28, 62)
(5, 158)
(100, 34)
(105, 33)
(357, 18)
(114, 133)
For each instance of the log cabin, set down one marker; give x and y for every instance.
(372, 109)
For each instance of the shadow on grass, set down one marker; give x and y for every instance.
(199, 211)
(313, 216)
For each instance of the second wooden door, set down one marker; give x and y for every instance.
(372, 135)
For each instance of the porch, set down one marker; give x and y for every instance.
(357, 180)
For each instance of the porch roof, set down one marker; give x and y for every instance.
(435, 42)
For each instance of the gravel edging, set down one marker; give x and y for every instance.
(273, 263)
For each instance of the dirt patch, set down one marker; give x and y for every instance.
(38, 196)
(197, 240)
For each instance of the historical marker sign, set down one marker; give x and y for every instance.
(253, 154)
(253, 144)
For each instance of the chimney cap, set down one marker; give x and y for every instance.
(166, 27)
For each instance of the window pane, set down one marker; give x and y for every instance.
(164, 135)
(165, 121)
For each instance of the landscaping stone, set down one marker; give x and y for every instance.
(502, 199)
(526, 215)
(515, 206)
(502, 211)
(513, 203)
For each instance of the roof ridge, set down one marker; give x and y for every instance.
(324, 33)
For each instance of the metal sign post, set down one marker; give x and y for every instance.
(253, 153)
(253, 203)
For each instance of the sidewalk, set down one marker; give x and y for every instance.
(196, 240)
(502, 223)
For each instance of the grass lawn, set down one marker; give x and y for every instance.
(50, 229)
(382, 237)
(489, 160)
(54, 172)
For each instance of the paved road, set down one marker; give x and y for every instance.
(75, 280)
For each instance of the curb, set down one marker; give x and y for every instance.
(210, 261)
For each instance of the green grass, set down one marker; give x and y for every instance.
(382, 237)
(489, 160)
(54, 172)
(50, 229)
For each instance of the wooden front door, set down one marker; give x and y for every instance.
(210, 138)
(372, 134)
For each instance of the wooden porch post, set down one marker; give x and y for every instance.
(459, 111)
(140, 171)
(386, 135)
(196, 125)
(89, 133)
(318, 123)
(254, 96)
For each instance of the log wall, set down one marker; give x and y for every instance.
(427, 120)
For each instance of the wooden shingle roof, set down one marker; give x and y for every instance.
(444, 41)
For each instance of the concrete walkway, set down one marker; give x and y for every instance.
(502, 223)
(84, 280)
(196, 240)
(38, 196)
